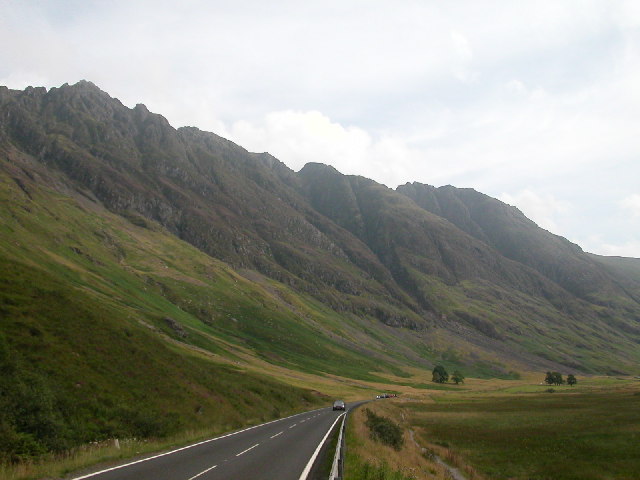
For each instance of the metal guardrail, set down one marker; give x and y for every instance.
(338, 459)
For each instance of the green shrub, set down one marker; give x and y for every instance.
(384, 430)
(16, 446)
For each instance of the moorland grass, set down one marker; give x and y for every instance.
(587, 435)
(369, 458)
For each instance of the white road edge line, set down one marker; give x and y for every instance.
(187, 447)
(307, 469)
(245, 451)
(203, 472)
(277, 435)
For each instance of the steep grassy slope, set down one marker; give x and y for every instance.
(317, 265)
(200, 187)
(76, 371)
(626, 272)
(512, 234)
(149, 273)
(114, 329)
(461, 280)
(612, 292)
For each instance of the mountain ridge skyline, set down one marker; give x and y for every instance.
(417, 257)
(88, 83)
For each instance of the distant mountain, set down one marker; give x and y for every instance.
(184, 237)
(514, 236)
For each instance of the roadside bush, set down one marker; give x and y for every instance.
(16, 446)
(384, 430)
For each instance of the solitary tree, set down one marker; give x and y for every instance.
(440, 375)
(571, 379)
(457, 377)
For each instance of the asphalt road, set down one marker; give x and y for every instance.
(281, 450)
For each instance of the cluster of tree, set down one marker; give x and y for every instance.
(440, 375)
(555, 378)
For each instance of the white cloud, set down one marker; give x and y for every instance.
(301, 137)
(541, 208)
(515, 86)
(498, 96)
(298, 138)
(596, 244)
(462, 58)
(632, 204)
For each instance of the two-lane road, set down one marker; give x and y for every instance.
(281, 449)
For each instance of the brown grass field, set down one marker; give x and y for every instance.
(514, 430)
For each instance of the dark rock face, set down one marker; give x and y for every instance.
(201, 187)
(409, 258)
(514, 236)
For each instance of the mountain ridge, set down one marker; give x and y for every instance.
(417, 257)
(183, 256)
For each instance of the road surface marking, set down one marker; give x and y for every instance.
(184, 448)
(203, 472)
(276, 435)
(250, 448)
(293, 425)
(307, 469)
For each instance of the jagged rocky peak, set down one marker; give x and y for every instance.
(314, 172)
(85, 85)
(267, 159)
(352, 243)
(316, 168)
(209, 138)
(35, 91)
(282, 171)
(141, 108)
(83, 88)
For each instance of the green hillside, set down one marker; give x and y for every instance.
(159, 280)
(87, 346)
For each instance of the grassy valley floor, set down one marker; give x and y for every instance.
(508, 430)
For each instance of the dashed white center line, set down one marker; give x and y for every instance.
(245, 451)
(203, 472)
(276, 435)
(293, 425)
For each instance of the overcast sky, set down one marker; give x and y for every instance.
(536, 103)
